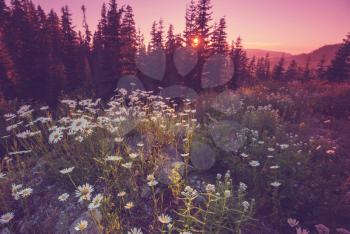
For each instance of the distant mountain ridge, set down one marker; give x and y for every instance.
(261, 53)
(327, 51)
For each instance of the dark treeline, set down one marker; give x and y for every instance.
(43, 56)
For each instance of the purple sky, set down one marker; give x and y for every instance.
(293, 26)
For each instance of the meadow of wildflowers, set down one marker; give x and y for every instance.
(256, 161)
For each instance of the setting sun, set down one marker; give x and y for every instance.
(195, 42)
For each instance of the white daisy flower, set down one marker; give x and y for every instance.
(129, 205)
(26, 192)
(135, 231)
(24, 134)
(44, 107)
(121, 194)
(84, 192)
(2, 175)
(164, 219)
(113, 158)
(133, 155)
(56, 136)
(119, 139)
(67, 170)
(79, 139)
(150, 177)
(78, 125)
(151, 180)
(152, 183)
(15, 191)
(81, 226)
(96, 202)
(292, 222)
(5, 218)
(20, 152)
(63, 197)
(127, 165)
(254, 163)
(275, 184)
(284, 146)
(23, 109)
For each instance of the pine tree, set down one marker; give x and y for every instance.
(292, 71)
(200, 42)
(340, 66)
(278, 70)
(239, 58)
(251, 71)
(190, 27)
(140, 40)
(307, 73)
(129, 49)
(157, 37)
(88, 34)
(69, 35)
(4, 13)
(160, 34)
(321, 69)
(8, 74)
(153, 41)
(41, 62)
(267, 66)
(219, 38)
(260, 69)
(56, 69)
(84, 57)
(170, 42)
(98, 51)
(203, 30)
(70, 52)
(111, 64)
(20, 36)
